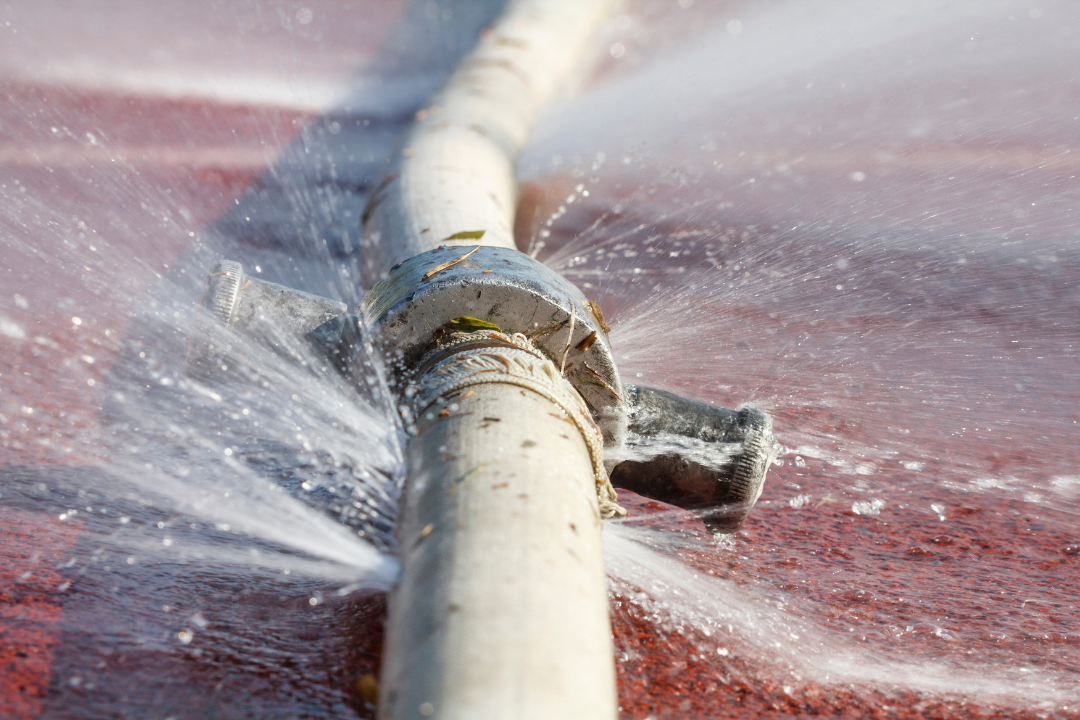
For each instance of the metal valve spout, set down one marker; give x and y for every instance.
(239, 313)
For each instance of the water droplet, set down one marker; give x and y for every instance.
(799, 501)
(11, 329)
(867, 507)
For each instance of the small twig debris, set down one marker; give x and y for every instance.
(439, 268)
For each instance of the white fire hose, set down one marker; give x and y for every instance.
(502, 609)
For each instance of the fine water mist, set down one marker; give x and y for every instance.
(191, 547)
(861, 219)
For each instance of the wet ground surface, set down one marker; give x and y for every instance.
(889, 267)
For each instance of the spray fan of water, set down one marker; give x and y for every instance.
(857, 217)
(860, 218)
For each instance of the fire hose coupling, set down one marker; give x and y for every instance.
(660, 445)
(454, 288)
(454, 317)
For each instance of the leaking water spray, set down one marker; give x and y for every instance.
(518, 423)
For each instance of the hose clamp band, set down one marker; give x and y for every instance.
(511, 359)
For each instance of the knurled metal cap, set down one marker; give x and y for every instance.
(751, 465)
(209, 343)
(223, 290)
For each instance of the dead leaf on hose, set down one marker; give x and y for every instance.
(598, 314)
(472, 473)
(597, 379)
(445, 414)
(453, 490)
(369, 688)
(466, 235)
(587, 342)
(538, 332)
(428, 529)
(439, 268)
(471, 324)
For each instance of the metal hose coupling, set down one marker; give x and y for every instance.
(461, 289)
(455, 317)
